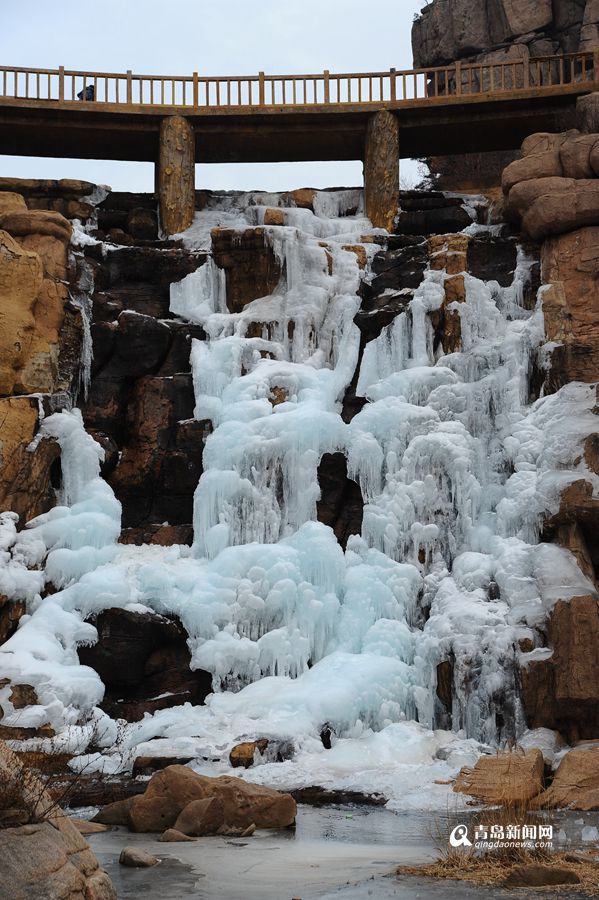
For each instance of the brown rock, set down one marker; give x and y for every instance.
(274, 216)
(136, 858)
(201, 817)
(576, 782)
(549, 215)
(116, 813)
(570, 266)
(170, 790)
(302, 198)
(532, 875)
(575, 153)
(525, 193)
(562, 692)
(448, 252)
(251, 268)
(244, 754)
(544, 164)
(42, 222)
(147, 765)
(504, 779)
(11, 202)
(11, 611)
(587, 113)
(172, 836)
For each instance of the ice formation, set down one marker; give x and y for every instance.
(456, 469)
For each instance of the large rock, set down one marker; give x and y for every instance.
(549, 215)
(562, 691)
(46, 858)
(505, 779)
(170, 791)
(576, 782)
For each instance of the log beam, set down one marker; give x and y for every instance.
(381, 169)
(176, 174)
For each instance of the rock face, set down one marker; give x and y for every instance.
(576, 782)
(341, 505)
(144, 663)
(447, 30)
(505, 779)
(497, 31)
(44, 857)
(562, 692)
(249, 263)
(570, 268)
(195, 804)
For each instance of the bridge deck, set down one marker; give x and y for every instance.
(459, 108)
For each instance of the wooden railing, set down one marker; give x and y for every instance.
(444, 83)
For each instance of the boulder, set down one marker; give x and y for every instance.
(505, 779)
(576, 782)
(136, 858)
(525, 193)
(201, 817)
(587, 113)
(172, 836)
(46, 858)
(116, 813)
(172, 789)
(549, 215)
(562, 691)
(544, 164)
(535, 875)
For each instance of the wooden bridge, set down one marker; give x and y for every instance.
(378, 117)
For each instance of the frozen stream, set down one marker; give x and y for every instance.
(347, 853)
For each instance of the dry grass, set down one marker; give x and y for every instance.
(489, 870)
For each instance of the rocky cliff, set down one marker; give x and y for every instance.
(496, 31)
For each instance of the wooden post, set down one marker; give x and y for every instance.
(327, 86)
(458, 78)
(381, 169)
(196, 90)
(129, 88)
(393, 85)
(61, 82)
(261, 89)
(176, 174)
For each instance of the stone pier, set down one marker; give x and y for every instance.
(381, 169)
(176, 174)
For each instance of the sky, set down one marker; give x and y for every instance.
(211, 37)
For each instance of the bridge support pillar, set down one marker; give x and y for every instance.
(176, 174)
(381, 169)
